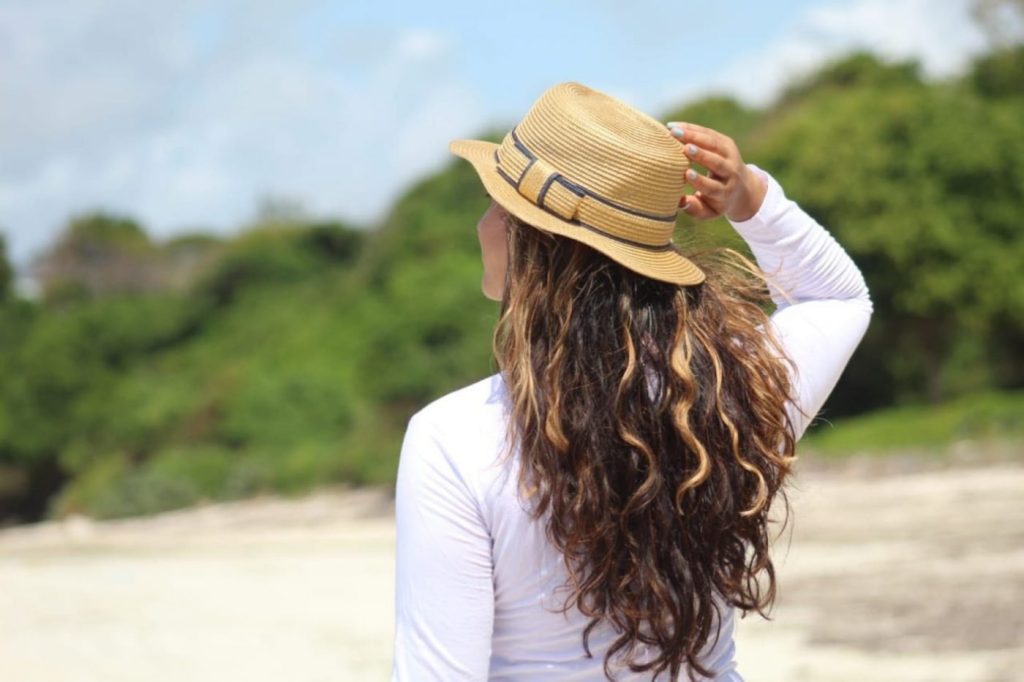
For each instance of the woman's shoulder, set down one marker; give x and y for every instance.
(468, 407)
(462, 433)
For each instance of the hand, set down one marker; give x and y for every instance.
(730, 187)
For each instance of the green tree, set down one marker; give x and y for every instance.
(923, 184)
(98, 253)
(6, 272)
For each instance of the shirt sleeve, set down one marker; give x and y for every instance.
(444, 589)
(823, 307)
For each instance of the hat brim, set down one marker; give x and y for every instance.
(667, 266)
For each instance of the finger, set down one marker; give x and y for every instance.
(722, 142)
(696, 207)
(714, 162)
(699, 138)
(708, 186)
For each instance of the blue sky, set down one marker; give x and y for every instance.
(187, 114)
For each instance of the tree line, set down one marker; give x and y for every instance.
(148, 376)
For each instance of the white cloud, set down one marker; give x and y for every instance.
(942, 36)
(420, 44)
(183, 118)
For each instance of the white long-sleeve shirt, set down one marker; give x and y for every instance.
(475, 574)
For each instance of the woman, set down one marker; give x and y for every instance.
(598, 508)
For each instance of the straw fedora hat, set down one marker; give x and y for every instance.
(585, 165)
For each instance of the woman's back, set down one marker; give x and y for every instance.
(488, 568)
(475, 570)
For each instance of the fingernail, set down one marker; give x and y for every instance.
(691, 173)
(677, 131)
(692, 148)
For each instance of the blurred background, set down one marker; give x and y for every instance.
(236, 256)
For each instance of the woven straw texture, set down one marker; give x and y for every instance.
(590, 167)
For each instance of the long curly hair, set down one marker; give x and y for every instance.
(651, 424)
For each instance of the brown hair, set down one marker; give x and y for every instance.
(652, 429)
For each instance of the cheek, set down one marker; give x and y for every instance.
(493, 241)
(499, 246)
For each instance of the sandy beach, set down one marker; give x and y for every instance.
(899, 569)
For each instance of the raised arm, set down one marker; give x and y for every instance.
(444, 590)
(823, 306)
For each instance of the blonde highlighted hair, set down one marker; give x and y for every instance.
(653, 437)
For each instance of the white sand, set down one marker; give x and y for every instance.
(885, 574)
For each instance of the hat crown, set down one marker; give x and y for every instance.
(585, 165)
(605, 146)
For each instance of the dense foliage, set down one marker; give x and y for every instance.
(153, 375)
